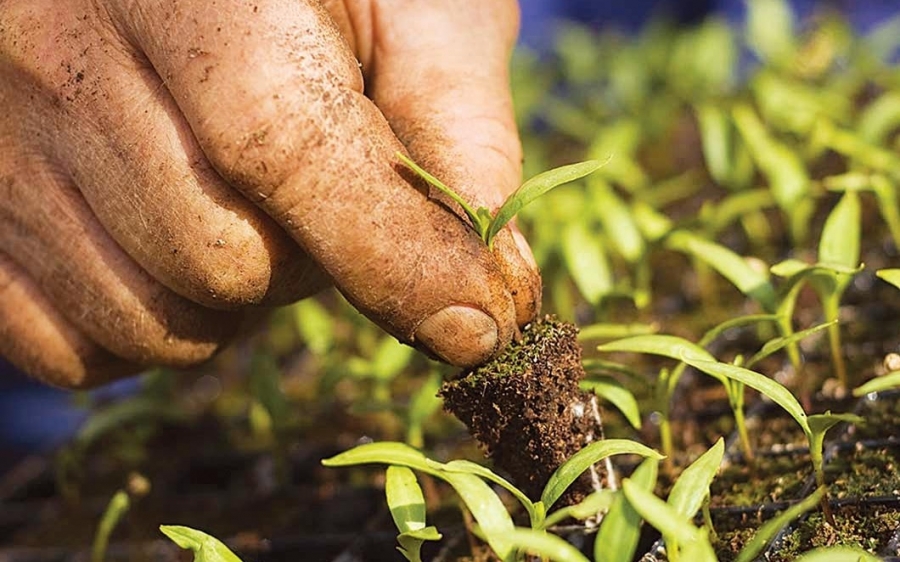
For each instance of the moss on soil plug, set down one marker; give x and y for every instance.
(526, 410)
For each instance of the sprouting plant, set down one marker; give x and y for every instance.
(487, 225)
(116, 509)
(830, 276)
(814, 426)
(470, 481)
(118, 506)
(206, 547)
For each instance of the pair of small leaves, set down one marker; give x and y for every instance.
(487, 225)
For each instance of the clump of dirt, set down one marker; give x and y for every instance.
(527, 411)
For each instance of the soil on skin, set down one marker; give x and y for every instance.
(526, 410)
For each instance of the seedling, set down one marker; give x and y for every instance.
(487, 225)
(116, 509)
(889, 381)
(814, 427)
(830, 277)
(206, 547)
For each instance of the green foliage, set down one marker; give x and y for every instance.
(487, 225)
(407, 506)
(887, 381)
(206, 548)
(773, 526)
(620, 530)
(116, 509)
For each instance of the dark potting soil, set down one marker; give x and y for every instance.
(526, 410)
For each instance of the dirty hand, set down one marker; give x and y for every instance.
(170, 167)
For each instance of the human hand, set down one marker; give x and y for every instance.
(170, 168)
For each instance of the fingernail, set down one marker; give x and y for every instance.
(460, 335)
(523, 247)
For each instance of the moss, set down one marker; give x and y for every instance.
(525, 407)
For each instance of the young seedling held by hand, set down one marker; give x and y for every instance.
(487, 225)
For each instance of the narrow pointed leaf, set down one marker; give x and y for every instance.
(748, 280)
(547, 546)
(891, 276)
(616, 394)
(404, 498)
(770, 388)
(779, 343)
(837, 554)
(839, 244)
(772, 527)
(570, 470)
(386, 452)
(206, 548)
(620, 530)
(673, 347)
(889, 381)
(590, 506)
(469, 467)
(586, 261)
(478, 220)
(534, 188)
(659, 514)
(488, 510)
(820, 423)
(692, 486)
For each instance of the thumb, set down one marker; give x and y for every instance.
(439, 72)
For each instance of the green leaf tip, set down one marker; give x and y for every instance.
(206, 547)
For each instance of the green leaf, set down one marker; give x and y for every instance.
(545, 545)
(692, 486)
(469, 467)
(590, 506)
(479, 222)
(620, 529)
(385, 452)
(789, 267)
(482, 502)
(749, 280)
(488, 510)
(411, 542)
(837, 554)
(787, 176)
(404, 499)
(770, 30)
(616, 394)
(586, 262)
(206, 548)
(776, 344)
(891, 276)
(888, 381)
(617, 221)
(675, 529)
(820, 423)
(534, 188)
(770, 388)
(609, 330)
(315, 325)
(390, 358)
(570, 470)
(839, 244)
(673, 347)
(407, 506)
(772, 527)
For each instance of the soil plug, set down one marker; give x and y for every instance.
(526, 410)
